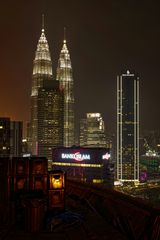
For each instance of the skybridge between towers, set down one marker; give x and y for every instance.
(48, 205)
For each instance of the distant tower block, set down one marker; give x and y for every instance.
(50, 118)
(128, 128)
(92, 131)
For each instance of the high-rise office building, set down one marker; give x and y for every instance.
(10, 137)
(92, 131)
(128, 127)
(16, 132)
(50, 118)
(42, 70)
(4, 137)
(65, 78)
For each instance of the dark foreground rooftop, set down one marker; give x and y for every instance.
(92, 212)
(79, 221)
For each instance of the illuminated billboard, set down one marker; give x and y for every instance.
(79, 154)
(76, 156)
(84, 164)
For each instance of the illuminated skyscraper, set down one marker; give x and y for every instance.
(128, 128)
(42, 70)
(10, 138)
(65, 78)
(16, 132)
(4, 137)
(92, 131)
(50, 118)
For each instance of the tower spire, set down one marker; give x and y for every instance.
(42, 22)
(64, 39)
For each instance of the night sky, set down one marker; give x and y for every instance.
(104, 38)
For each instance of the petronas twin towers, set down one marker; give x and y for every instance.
(42, 73)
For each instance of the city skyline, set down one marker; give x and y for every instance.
(103, 40)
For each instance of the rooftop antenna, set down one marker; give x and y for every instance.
(43, 22)
(64, 39)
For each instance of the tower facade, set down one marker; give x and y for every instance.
(128, 128)
(92, 131)
(16, 132)
(42, 70)
(65, 78)
(5, 137)
(50, 118)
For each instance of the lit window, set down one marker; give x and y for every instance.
(78, 164)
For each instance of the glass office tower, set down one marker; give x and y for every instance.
(92, 131)
(50, 118)
(4, 137)
(128, 128)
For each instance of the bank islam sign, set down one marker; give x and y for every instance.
(76, 156)
(81, 156)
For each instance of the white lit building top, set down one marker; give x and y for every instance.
(93, 115)
(64, 60)
(92, 131)
(42, 61)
